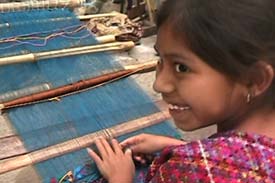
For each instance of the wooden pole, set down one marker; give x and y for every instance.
(81, 142)
(106, 39)
(14, 94)
(12, 145)
(15, 6)
(31, 57)
(80, 17)
(79, 86)
(88, 17)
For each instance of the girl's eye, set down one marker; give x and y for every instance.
(181, 68)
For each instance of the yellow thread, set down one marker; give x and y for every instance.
(67, 177)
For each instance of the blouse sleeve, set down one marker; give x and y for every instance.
(226, 157)
(178, 164)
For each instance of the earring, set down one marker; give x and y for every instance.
(248, 97)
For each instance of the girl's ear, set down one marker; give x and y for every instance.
(261, 76)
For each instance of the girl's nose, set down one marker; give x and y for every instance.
(164, 82)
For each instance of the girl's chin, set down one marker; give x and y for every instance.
(186, 125)
(183, 125)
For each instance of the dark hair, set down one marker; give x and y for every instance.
(229, 35)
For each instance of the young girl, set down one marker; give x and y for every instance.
(216, 66)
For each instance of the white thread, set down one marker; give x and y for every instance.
(206, 162)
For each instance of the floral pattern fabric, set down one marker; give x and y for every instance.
(231, 157)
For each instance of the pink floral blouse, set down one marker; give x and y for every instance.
(231, 157)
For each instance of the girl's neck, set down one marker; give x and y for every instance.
(260, 122)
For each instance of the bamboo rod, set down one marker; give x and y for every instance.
(14, 6)
(149, 64)
(31, 57)
(76, 87)
(81, 142)
(106, 39)
(118, 37)
(87, 17)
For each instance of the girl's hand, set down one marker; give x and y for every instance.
(148, 143)
(114, 164)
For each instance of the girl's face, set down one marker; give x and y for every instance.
(197, 94)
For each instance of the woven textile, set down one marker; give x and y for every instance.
(226, 157)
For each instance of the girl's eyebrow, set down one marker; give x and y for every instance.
(175, 56)
(172, 55)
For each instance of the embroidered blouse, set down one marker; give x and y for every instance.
(234, 157)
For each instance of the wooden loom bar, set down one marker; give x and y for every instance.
(11, 95)
(106, 39)
(87, 17)
(80, 85)
(12, 145)
(31, 57)
(118, 37)
(80, 17)
(12, 6)
(81, 142)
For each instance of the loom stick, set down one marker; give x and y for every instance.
(81, 142)
(78, 86)
(8, 96)
(13, 6)
(31, 57)
(23, 92)
(106, 39)
(12, 146)
(118, 37)
(88, 17)
(80, 17)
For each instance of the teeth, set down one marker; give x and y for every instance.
(175, 107)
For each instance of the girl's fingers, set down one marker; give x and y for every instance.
(94, 156)
(137, 158)
(101, 148)
(116, 146)
(107, 147)
(135, 148)
(128, 153)
(128, 142)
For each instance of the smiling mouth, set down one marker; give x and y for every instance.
(179, 108)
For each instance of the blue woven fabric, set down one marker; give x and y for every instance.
(45, 124)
